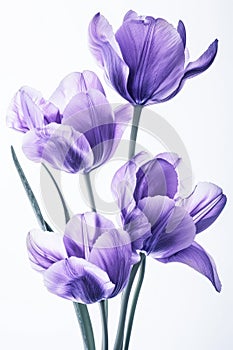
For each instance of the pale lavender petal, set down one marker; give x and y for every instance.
(73, 84)
(196, 257)
(82, 231)
(87, 110)
(205, 204)
(170, 157)
(156, 177)
(59, 145)
(112, 253)
(124, 180)
(130, 15)
(28, 110)
(154, 53)
(78, 280)
(138, 227)
(44, 249)
(107, 53)
(195, 68)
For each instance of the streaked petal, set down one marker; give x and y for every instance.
(73, 84)
(181, 30)
(196, 257)
(44, 249)
(156, 177)
(170, 157)
(82, 231)
(124, 180)
(205, 204)
(172, 227)
(154, 53)
(195, 68)
(61, 146)
(28, 110)
(87, 110)
(78, 280)
(107, 53)
(112, 253)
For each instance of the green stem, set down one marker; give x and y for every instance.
(124, 304)
(134, 130)
(85, 325)
(90, 194)
(135, 300)
(104, 325)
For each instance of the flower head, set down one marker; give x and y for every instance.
(91, 262)
(146, 60)
(75, 130)
(147, 191)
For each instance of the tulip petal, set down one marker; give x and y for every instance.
(82, 232)
(44, 249)
(156, 177)
(73, 84)
(196, 257)
(107, 53)
(29, 110)
(181, 30)
(112, 253)
(195, 68)
(124, 181)
(205, 204)
(78, 280)
(60, 146)
(154, 53)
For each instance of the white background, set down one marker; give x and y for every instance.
(41, 42)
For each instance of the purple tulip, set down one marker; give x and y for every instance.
(146, 60)
(147, 191)
(90, 263)
(75, 130)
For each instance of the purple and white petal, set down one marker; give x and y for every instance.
(196, 257)
(154, 53)
(29, 110)
(78, 280)
(107, 53)
(82, 232)
(59, 145)
(73, 84)
(156, 177)
(124, 181)
(112, 253)
(44, 249)
(205, 204)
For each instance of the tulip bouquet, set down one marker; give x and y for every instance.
(76, 130)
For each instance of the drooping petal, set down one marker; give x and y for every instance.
(154, 53)
(195, 68)
(72, 85)
(124, 181)
(196, 257)
(107, 53)
(156, 177)
(28, 110)
(172, 227)
(44, 249)
(78, 280)
(205, 204)
(82, 231)
(59, 145)
(112, 253)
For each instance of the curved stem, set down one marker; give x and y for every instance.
(90, 194)
(104, 325)
(85, 325)
(135, 300)
(134, 130)
(124, 304)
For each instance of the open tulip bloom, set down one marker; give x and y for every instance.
(76, 130)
